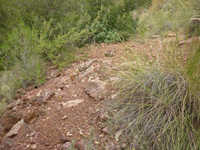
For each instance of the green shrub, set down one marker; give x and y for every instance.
(113, 25)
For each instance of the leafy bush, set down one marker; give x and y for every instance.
(113, 25)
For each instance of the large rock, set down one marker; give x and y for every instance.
(8, 120)
(96, 89)
(15, 129)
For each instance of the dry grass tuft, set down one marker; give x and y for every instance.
(157, 110)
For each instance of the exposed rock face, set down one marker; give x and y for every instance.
(96, 89)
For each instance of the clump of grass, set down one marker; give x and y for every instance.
(157, 110)
(170, 15)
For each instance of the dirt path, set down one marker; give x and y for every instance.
(68, 106)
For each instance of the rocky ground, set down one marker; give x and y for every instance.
(67, 110)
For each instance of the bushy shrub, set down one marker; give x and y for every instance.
(113, 25)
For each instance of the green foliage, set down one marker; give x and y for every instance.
(35, 32)
(170, 16)
(113, 25)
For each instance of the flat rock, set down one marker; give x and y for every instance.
(88, 71)
(96, 89)
(87, 64)
(72, 103)
(15, 103)
(15, 129)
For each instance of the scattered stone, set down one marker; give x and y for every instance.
(64, 117)
(15, 108)
(72, 103)
(64, 139)
(46, 144)
(118, 134)
(87, 64)
(28, 146)
(88, 71)
(106, 130)
(32, 134)
(19, 147)
(66, 146)
(114, 97)
(15, 129)
(39, 93)
(110, 146)
(34, 146)
(28, 117)
(37, 101)
(110, 53)
(124, 145)
(96, 89)
(79, 146)
(15, 103)
(48, 95)
(114, 79)
(23, 132)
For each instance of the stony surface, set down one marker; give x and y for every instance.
(66, 107)
(96, 89)
(15, 129)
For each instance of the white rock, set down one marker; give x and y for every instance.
(72, 103)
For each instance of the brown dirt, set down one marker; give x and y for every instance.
(56, 124)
